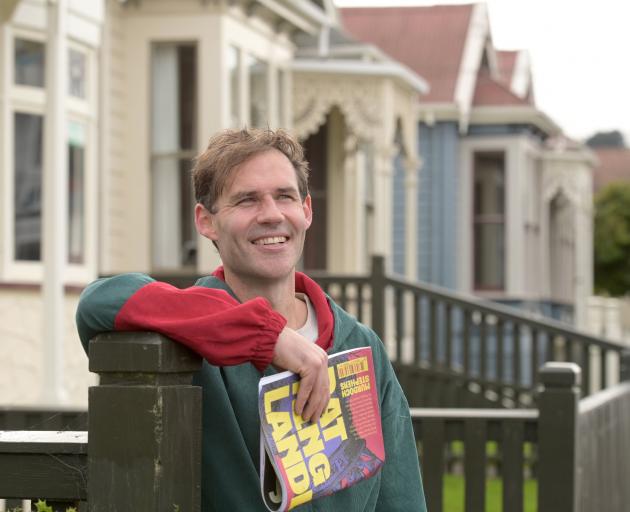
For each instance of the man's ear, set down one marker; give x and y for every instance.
(308, 210)
(205, 222)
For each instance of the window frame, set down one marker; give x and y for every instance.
(32, 100)
(489, 219)
(179, 155)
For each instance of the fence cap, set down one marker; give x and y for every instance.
(140, 352)
(561, 375)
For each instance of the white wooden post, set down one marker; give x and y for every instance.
(55, 200)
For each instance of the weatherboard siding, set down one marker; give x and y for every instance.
(438, 203)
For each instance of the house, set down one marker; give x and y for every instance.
(613, 165)
(103, 103)
(504, 199)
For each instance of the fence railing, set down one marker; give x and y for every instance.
(144, 430)
(457, 340)
(582, 448)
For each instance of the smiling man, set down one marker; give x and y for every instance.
(256, 313)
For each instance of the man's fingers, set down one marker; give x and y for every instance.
(304, 395)
(294, 352)
(318, 397)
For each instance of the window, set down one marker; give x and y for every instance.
(234, 61)
(28, 150)
(173, 142)
(76, 192)
(26, 97)
(77, 73)
(259, 106)
(489, 221)
(29, 63)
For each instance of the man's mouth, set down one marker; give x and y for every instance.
(271, 240)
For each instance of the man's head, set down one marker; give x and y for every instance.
(253, 203)
(214, 168)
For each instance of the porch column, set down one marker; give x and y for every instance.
(412, 168)
(383, 174)
(353, 245)
(55, 200)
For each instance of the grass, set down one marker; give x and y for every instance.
(454, 494)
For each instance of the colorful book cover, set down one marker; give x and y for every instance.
(302, 461)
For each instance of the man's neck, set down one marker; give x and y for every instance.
(281, 295)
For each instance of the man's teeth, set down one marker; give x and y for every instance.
(271, 240)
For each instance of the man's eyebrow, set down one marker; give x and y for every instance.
(285, 190)
(245, 194)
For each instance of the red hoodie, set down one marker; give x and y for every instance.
(214, 324)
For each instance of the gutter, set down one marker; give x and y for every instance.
(350, 67)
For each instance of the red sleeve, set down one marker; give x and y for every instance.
(210, 322)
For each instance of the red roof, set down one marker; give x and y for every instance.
(614, 165)
(507, 61)
(429, 40)
(492, 92)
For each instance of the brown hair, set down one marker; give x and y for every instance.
(228, 149)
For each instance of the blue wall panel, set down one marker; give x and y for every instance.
(438, 204)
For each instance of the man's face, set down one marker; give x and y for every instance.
(259, 222)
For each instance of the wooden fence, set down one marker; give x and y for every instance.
(583, 446)
(443, 342)
(144, 431)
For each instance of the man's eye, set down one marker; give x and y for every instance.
(245, 201)
(286, 197)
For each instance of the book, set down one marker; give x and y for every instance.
(301, 461)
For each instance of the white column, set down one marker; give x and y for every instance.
(55, 202)
(351, 205)
(383, 172)
(412, 167)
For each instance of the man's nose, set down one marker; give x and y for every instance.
(269, 211)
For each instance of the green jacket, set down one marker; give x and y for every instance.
(231, 428)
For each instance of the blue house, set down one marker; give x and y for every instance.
(503, 199)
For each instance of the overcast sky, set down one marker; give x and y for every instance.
(580, 52)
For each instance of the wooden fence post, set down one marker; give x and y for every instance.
(624, 365)
(558, 403)
(377, 279)
(144, 425)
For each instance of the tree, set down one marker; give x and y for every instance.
(613, 139)
(612, 239)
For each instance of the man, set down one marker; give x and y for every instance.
(255, 313)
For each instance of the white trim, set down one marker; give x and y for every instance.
(476, 37)
(430, 113)
(521, 74)
(506, 114)
(388, 69)
(309, 26)
(34, 100)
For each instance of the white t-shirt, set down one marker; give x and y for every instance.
(309, 330)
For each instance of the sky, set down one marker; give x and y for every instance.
(580, 52)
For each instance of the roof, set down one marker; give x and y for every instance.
(507, 61)
(341, 54)
(614, 165)
(494, 92)
(429, 40)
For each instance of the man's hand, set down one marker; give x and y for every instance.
(294, 352)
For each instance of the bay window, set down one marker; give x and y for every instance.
(489, 221)
(27, 95)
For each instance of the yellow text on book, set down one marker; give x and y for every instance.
(302, 449)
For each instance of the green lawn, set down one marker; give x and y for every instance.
(454, 494)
